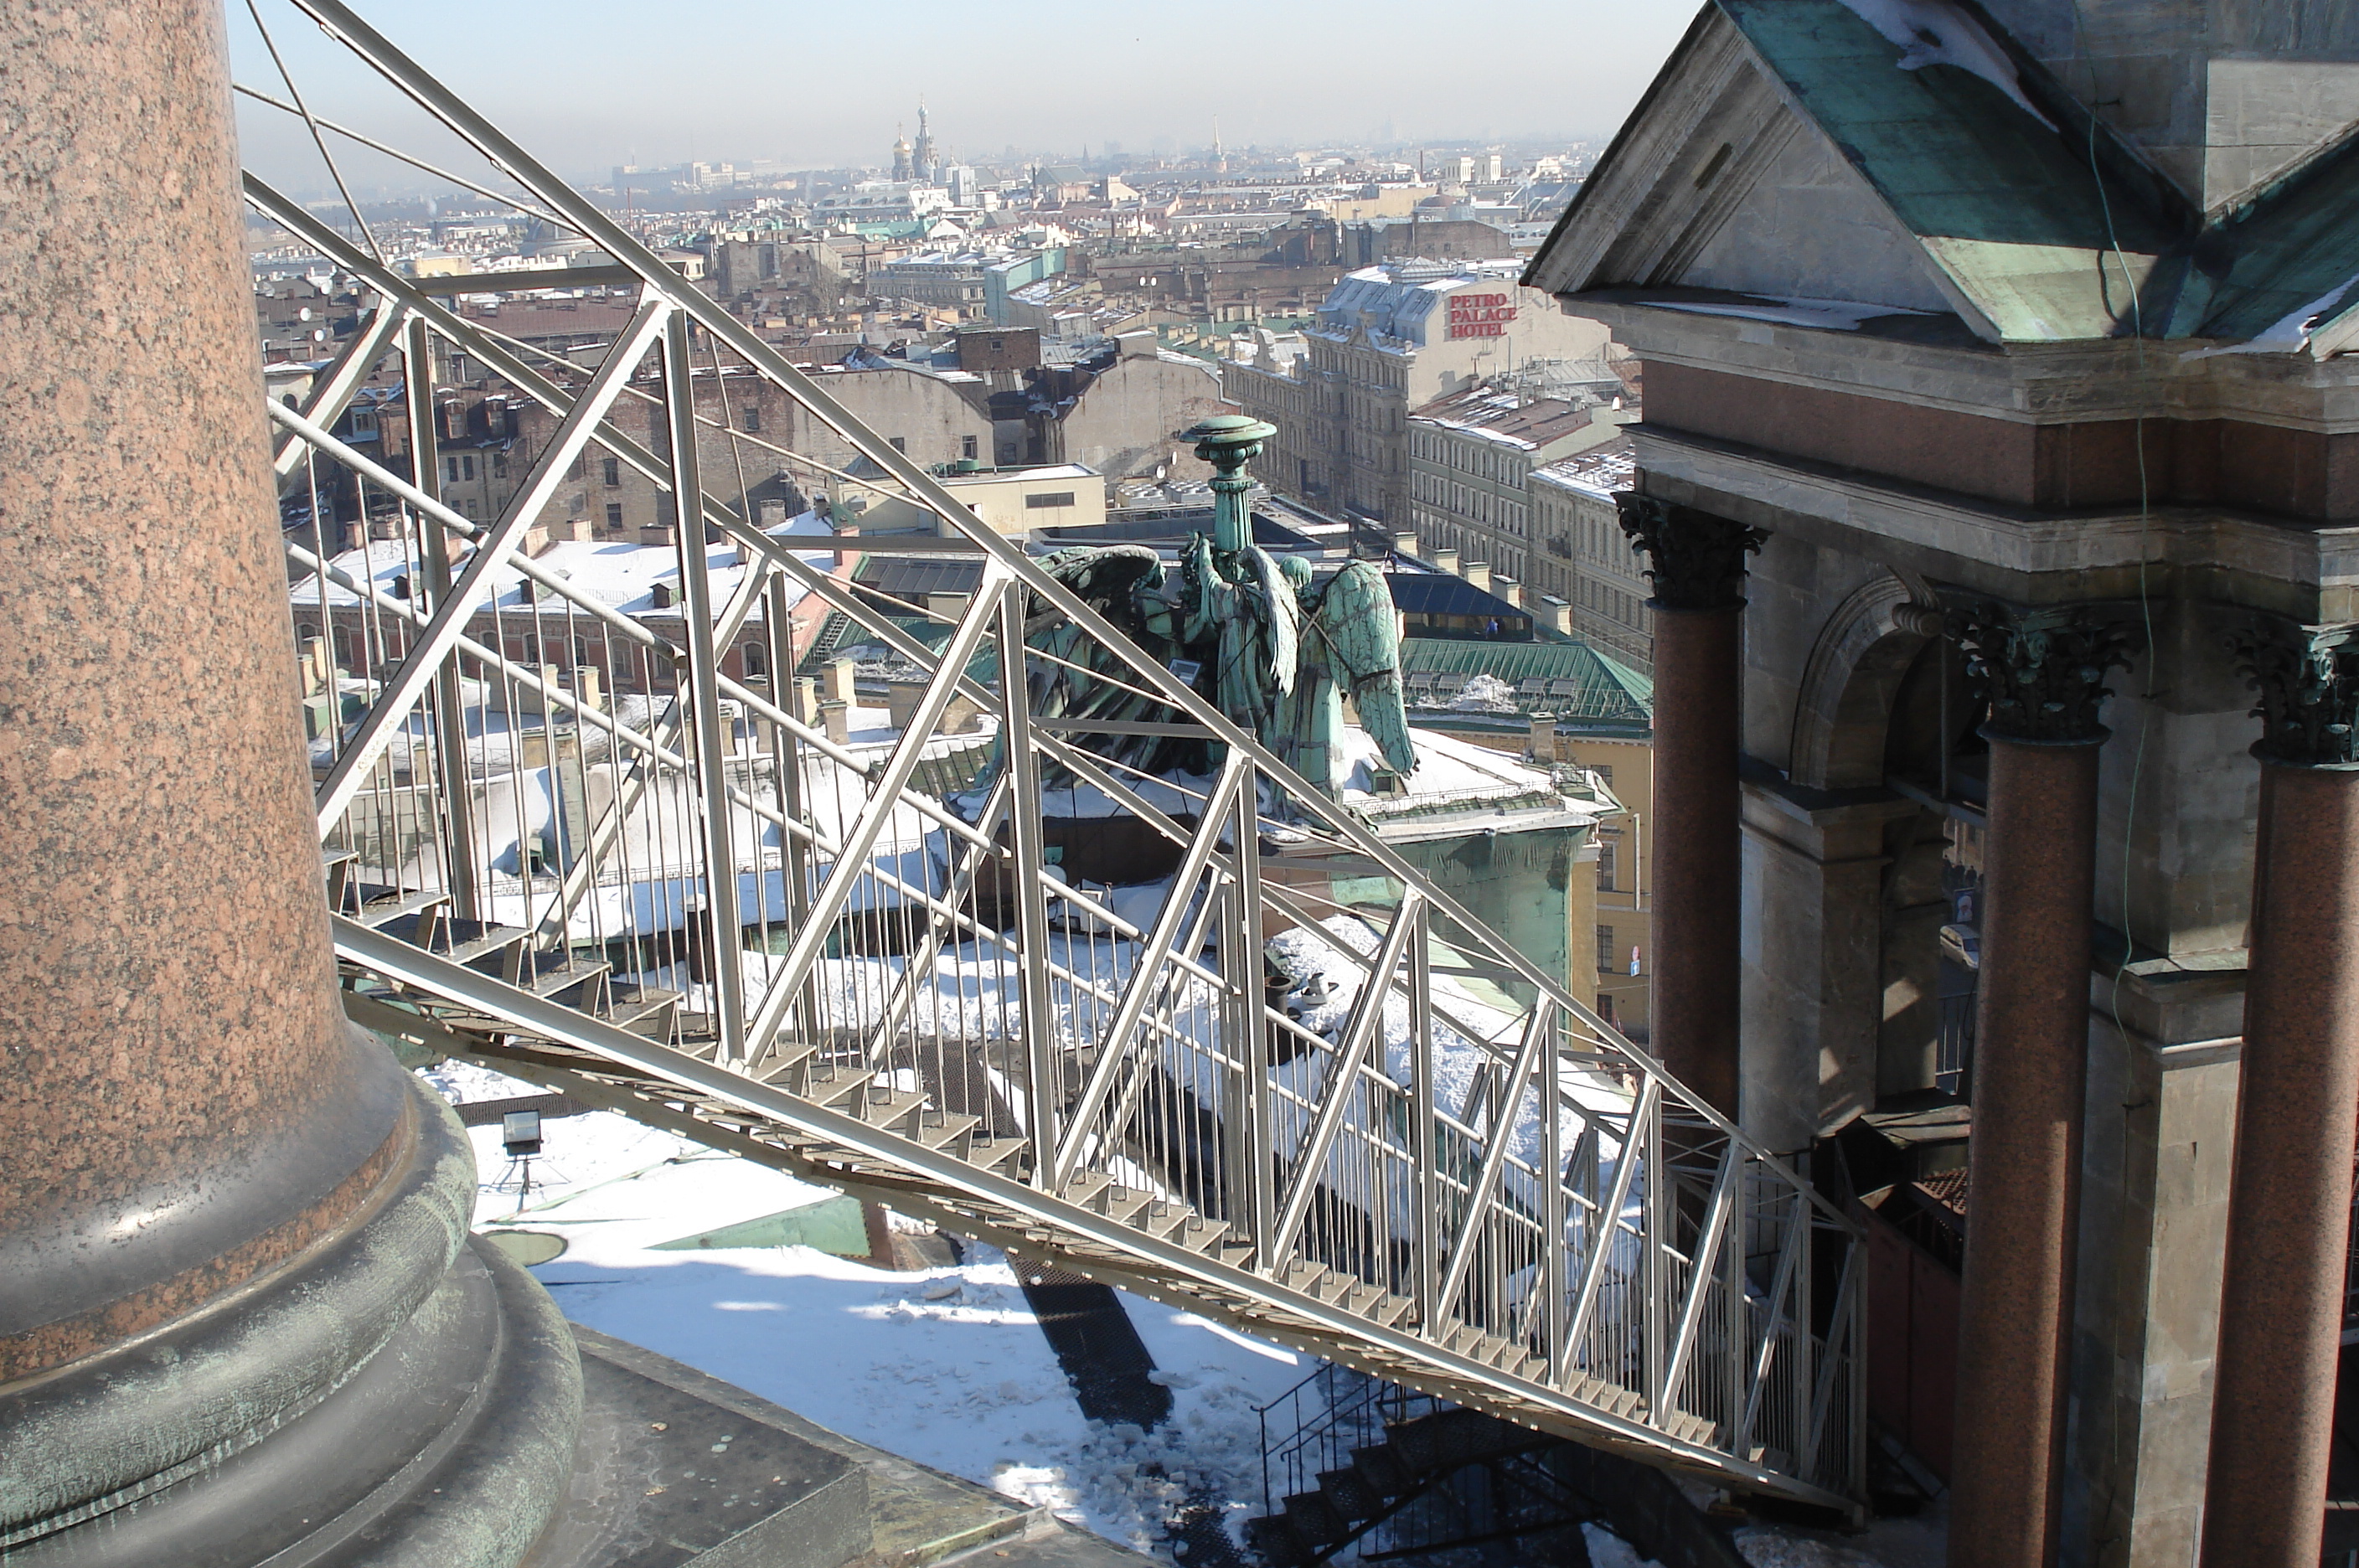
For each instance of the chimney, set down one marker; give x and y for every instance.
(836, 719)
(806, 699)
(1510, 590)
(588, 688)
(1542, 746)
(1556, 613)
(840, 673)
(1405, 544)
(311, 662)
(1478, 573)
(1446, 559)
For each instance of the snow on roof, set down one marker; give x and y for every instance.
(1599, 471)
(1509, 419)
(620, 575)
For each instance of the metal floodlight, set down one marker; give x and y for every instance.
(520, 1133)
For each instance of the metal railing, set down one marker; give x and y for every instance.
(580, 840)
(1314, 1427)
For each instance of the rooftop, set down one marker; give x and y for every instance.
(1599, 471)
(1508, 417)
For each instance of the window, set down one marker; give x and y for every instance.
(581, 466)
(468, 464)
(582, 652)
(1040, 503)
(966, 446)
(900, 444)
(998, 344)
(1604, 771)
(750, 422)
(614, 474)
(757, 659)
(1604, 867)
(613, 514)
(1605, 949)
(451, 471)
(499, 465)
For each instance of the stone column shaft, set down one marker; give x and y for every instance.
(1699, 604)
(2281, 1299)
(2044, 670)
(1696, 959)
(2032, 1028)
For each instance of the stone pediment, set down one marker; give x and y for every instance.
(1792, 151)
(1719, 183)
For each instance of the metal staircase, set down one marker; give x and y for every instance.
(574, 843)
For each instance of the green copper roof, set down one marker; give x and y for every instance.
(2004, 193)
(1576, 682)
(2290, 252)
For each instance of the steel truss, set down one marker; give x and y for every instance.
(550, 826)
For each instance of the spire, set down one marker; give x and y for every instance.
(923, 165)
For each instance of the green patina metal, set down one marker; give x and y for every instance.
(1250, 631)
(2050, 226)
(1583, 688)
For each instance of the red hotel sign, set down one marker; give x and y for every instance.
(1480, 316)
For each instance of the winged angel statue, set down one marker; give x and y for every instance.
(1274, 650)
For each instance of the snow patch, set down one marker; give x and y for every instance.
(2290, 333)
(1832, 315)
(1940, 32)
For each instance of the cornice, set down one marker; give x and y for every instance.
(2043, 383)
(2285, 567)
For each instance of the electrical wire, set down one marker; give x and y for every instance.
(2146, 514)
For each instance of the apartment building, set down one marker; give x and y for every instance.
(1472, 455)
(1580, 553)
(1390, 339)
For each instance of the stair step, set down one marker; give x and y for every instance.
(1349, 1494)
(945, 1130)
(1124, 1204)
(997, 1153)
(1301, 1274)
(648, 1013)
(385, 912)
(785, 1068)
(1274, 1539)
(892, 1110)
(1315, 1518)
(1384, 1470)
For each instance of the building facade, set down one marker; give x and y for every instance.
(1581, 555)
(1388, 340)
(1472, 455)
(1904, 422)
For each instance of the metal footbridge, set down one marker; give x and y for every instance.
(608, 845)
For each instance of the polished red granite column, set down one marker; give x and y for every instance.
(237, 1310)
(1698, 608)
(2043, 670)
(2281, 1301)
(184, 1106)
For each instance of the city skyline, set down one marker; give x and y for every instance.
(609, 89)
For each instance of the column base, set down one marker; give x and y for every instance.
(396, 1396)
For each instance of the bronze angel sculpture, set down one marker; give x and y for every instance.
(1255, 633)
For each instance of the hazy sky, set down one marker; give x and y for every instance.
(589, 83)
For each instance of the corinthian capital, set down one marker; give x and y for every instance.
(2308, 678)
(2043, 666)
(1699, 559)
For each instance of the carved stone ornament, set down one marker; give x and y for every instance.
(2043, 667)
(1699, 559)
(2308, 678)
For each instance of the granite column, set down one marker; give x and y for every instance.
(2043, 670)
(238, 1312)
(1697, 573)
(2281, 1300)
